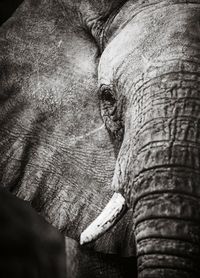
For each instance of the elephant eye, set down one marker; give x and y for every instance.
(111, 112)
(107, 96)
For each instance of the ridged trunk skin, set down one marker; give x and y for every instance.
(167, 175)
(167, 234)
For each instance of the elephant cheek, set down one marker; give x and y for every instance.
(124, 174)
(119, 179)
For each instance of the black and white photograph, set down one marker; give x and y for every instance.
(99, 138)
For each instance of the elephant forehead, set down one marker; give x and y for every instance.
(126, 46)
(146, 42)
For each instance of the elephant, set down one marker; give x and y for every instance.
(52, 154)
(101, 98)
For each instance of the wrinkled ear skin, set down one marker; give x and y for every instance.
(54, 149)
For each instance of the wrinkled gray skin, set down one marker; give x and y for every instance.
(140, 61)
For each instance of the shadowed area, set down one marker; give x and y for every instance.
(83, 262)
(7, 7)
(29, 246)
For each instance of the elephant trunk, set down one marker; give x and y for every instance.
(164, 178)
(168, 235)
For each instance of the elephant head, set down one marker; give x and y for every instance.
(140, 61)
(148, 88)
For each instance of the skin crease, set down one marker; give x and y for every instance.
(149, 104)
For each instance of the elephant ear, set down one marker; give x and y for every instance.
(55, 150)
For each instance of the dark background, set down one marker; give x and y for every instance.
(7, 7)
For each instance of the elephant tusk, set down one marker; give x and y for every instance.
(113, 211)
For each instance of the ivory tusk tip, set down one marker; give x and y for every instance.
(83, 239)
(113, 211)
(87, 236)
